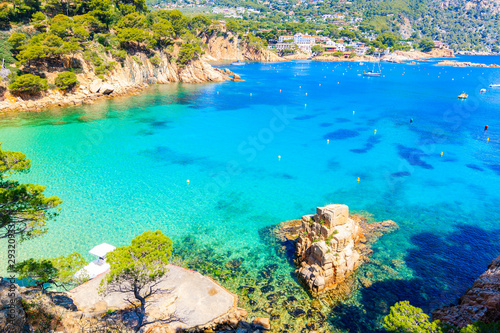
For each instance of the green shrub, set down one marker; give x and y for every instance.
(104, 69)
(187, 53)
(119, 55)
(65, 80)
(155, 60)
(137, 60)
(28, 84)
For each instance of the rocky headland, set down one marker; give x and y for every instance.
(228, 47)
(136, 73)
(480, 303)
(330, 245)
(465, 64)
(397, 56)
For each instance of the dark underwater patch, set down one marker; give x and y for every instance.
(495, 167)
(474, 167)
(342, 120)
(401, 174)
(165, 154)
(306, 117)
(341, 134)
(325, 124)
(413, 156)
(369, 145)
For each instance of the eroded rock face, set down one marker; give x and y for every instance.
(326, 249)
(130, 78)
(481, 302)
(229, 47)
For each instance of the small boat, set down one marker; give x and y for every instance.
(494, 85)
(370, 73)
(482, 90)
(463, 96)
(237, 63)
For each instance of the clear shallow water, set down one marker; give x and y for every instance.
(121, 167)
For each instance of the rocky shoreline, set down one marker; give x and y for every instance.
(464, 64)
(480, 303)
(136, 74)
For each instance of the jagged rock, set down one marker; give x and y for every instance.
(481, 302)
(106, 89)
(331, 245)
(236, 77)
(263, 322)
(95, 86)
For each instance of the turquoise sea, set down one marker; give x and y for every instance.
(121, 167)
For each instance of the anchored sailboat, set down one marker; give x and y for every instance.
(372, 72)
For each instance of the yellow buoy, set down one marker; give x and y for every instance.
(279, 157)
(305, 105)
(187, 181)
(488, 140)
(217, 93)
(358, 179)
(353, 112)
(375, 132)
(441, 154)
(328, 140)
(250, 94)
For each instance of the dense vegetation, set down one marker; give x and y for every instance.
(44, 35)
(405, 318)
(461, 24)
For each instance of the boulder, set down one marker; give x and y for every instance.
(263, 322)
(95, 85)
(106, 89)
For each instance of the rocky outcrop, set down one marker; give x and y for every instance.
(464, 64)
(479, 303)
(135, 74)
(441, 53)
(325, 251)
(229, 47)
(330, 245)
(397, 56)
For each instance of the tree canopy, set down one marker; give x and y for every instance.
(24, 209)
(137, 269)
(59, 271)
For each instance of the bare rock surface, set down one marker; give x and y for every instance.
(195, 300)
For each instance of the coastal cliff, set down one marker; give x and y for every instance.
(229, 47)
(136, 73)
(331, 245)
(480, 303)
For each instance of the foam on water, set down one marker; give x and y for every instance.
(121, 167)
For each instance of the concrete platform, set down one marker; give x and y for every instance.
(196, 300)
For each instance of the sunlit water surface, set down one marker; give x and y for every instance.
(121, 167)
